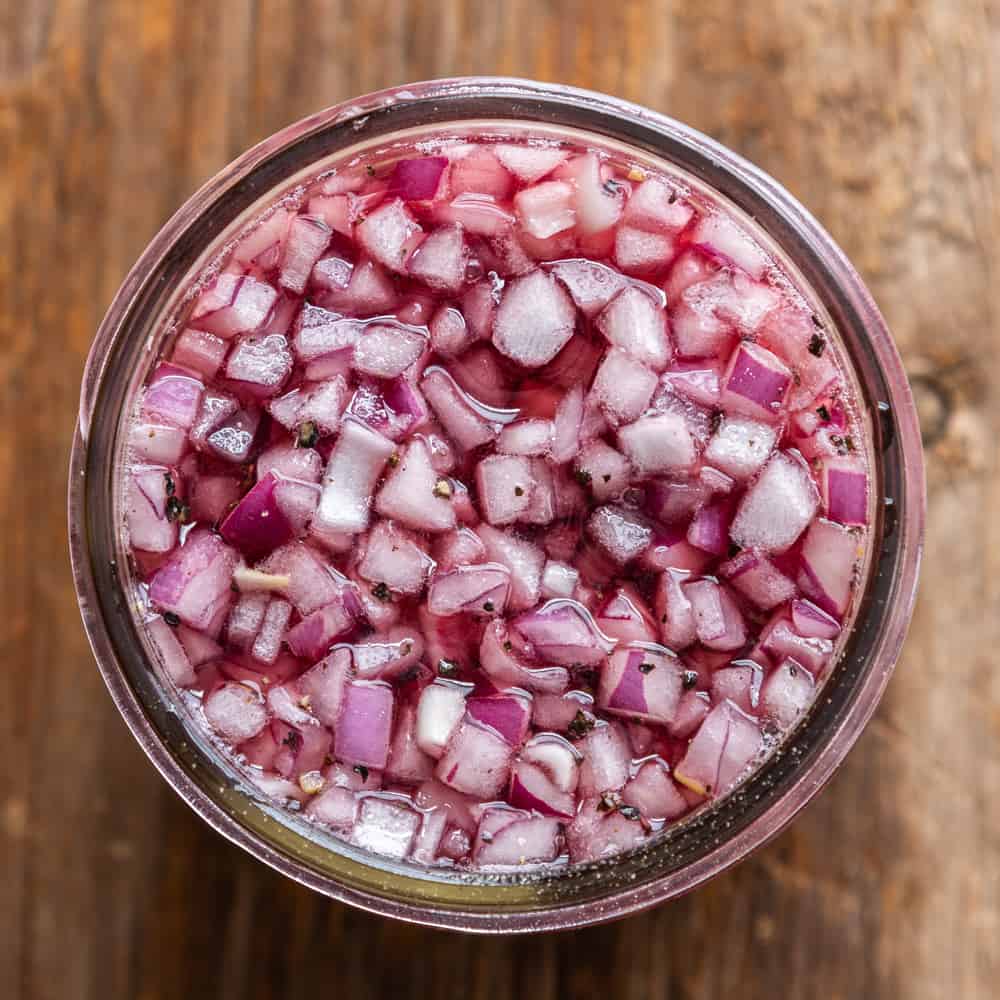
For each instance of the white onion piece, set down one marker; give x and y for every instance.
(637, 324)
(386, 825)
(535, 320)
(439, 711)
(235, 711)
(174, 654)
(777, 507)
(787, 693)
(354, 467)
(390, 234)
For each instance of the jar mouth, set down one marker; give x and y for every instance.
(683, 856)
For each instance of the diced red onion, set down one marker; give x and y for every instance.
(756, 382)
(256, 526)
(334, 807)
(408, 763)
(739, 447)
(313, 636)
(829, 555)
(726, 238)
(739, 683)
(149, 527)
(641, 682)
(725, 744)
(267, 645)
(623, 615)
(355, 464)
(365, 725)
(564, 632)
(467, 424)
(417, 178)
(621, 533)
(237, 305)
(195, 582)
(780, 641)
(659, 443)
(709, 530)
(691, 711)
(622, 387)
(386, 349)
(758, 579)
(508, 838)
(313, 583)
(697, 381)
(173, 395)
(477, 762)
(394, 557)
(245, 619)
(308, 236)
(388, 656)
(529, 163)
(812, 622)
(479, 214)
(636, 323)
(324, 686)
(653, 792)
(505, 667)
(674, 609)
(653, 205)
(597, 832)
(478, 589)
(718, 621)
(507, 714)
(844, 487)
(173, 654)
(440, 710)
(411, 494)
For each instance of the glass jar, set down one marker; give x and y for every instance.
(688, 853)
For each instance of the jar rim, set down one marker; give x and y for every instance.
(375, 887)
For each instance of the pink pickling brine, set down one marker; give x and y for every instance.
(499, 503)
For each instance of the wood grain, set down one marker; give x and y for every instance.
(882, 116)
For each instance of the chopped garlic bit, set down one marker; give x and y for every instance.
(636, 174)
(253, 579)
(311, 782)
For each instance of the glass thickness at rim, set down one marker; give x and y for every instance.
(695, 850)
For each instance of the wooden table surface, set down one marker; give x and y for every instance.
(882, 117)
